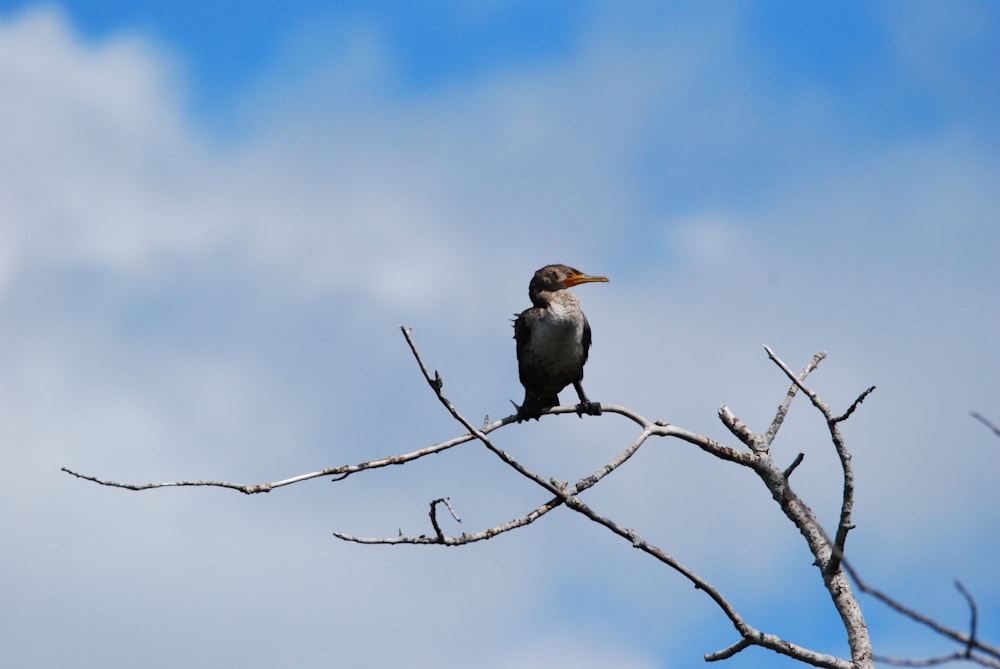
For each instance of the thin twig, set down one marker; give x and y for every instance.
(985, 421)
(571, 500)
(729, 651)
(795, 463)
(746, 631)
(973, 617)
(246, 489)
(959, 637)
(530, 517)
(436, 384)
(741, 431)
(465, 538)
(957, 656)
(779, 417)
(829, 553)
(845, 525)
(339, 472)
(854, 405)
(919, 662)
(433, 514)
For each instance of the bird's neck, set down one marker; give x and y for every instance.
(558, 301)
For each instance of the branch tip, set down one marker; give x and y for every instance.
(987, 422)
(854, 405)
(795, 463)
(727, 653)
(974, 618)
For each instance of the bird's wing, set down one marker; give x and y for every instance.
(585, 342)
(522, 331)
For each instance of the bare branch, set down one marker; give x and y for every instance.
(580, 486)
(828, 553)
(973, 617)
(710, 446)
(854, 405)
(526, 519)
(968, 641)
(795, 463)
(340, 472)
(246, 489)
(800, 383)
(779, 417)
(920, 662)
(746, 631)
(957, 656)
(433, 514)
(436, 384)
(571, 500)
(741, 431)
(730, 651)
(845, 525)
(985, 421)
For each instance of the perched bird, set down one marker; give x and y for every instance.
(553, 341)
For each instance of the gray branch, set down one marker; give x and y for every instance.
(755, 455)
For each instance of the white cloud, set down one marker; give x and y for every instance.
(99, 167)
(228, 308)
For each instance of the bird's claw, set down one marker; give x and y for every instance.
(589, 408)
(526, 413)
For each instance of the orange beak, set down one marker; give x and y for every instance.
(577, 279)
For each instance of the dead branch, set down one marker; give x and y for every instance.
(779, 417)
(985, 421)
(465, 538)
(339, 472)
(756, 455)
(759, 460)
(434, 518)
(795, 463)
(973, 649)
(847, 498)
(854, 405)
(564, 494)
(920, 662)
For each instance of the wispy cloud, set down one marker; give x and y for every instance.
(182, 300)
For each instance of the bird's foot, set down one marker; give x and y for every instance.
(527, 413)
(589, 408)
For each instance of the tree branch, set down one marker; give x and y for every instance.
(757, 456)
(970, 642)
(919, 662)
(985, 421)
(809, 526)
(340, 472)
(847, 499)
(465, 538)
(779, 417)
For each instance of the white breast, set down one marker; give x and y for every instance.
(558, 335)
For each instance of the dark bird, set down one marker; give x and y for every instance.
(553, 341)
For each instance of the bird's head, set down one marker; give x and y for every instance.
(557, 277)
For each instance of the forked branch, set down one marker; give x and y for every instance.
(756, 454)
(973, 648)
(758, 459)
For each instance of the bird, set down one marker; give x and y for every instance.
(553, 341)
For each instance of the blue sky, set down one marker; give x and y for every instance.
(214, 217)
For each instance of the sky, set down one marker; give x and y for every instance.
(214, 217)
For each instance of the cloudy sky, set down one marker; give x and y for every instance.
(215, 216)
